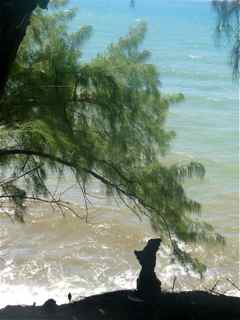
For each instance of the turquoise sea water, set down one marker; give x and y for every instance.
(182, 39)
(52, 255)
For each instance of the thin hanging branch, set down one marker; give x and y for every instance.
(15, 178)
(57, 202)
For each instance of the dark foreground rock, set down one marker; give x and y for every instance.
(148, 302)
(124, 305)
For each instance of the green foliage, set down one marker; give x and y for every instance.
(17, 196)
(228, 25)
(104, 119)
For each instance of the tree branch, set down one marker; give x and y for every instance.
(105, 181)
(57, 202)
(14, 19)
(12, 179)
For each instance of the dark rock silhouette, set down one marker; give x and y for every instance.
(149, 302)
(193, 305)
(50, 306)
(148, 285)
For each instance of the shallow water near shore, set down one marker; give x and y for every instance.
(51, 255)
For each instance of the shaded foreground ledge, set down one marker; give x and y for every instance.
(124, 305)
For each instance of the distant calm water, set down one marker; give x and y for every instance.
(50, 255)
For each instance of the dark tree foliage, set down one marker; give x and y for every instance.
(14, 18)
(228, 25)
(103, 120)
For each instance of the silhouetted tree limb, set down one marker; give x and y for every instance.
(14, 18)
(119, 189)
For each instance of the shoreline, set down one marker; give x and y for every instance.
(123, 305)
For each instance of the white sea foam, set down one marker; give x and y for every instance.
(195, 57)
(10, 212)
(23, 295)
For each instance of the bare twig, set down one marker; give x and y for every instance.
(96, 175)
(212, 291)
(66, 190)
(215, 286)
(8, 215)
(57, 202)
(233, 284)
(174, 281)
(12, 179)
(85, 198)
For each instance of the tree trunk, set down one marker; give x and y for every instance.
(14, 18)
